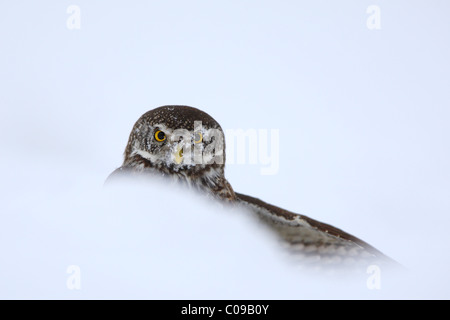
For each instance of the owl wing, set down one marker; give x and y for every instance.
(313, 242)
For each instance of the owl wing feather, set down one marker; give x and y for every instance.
(312, 241)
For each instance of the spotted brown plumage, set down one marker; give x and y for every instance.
(144, 154)
(159, 143)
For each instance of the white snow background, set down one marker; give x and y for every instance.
(362, 115)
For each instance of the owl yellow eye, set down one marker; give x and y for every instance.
(198, 137)
(160, 136)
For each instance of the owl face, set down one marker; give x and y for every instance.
(177, 139)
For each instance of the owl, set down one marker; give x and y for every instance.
(187, 145)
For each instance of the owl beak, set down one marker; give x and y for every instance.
(178, 155)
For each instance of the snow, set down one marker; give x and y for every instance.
(362, 122)
(154, 240)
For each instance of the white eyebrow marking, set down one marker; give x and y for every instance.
(163, 128)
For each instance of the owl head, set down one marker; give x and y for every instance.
(181, 141)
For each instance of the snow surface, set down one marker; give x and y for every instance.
(363, 125)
